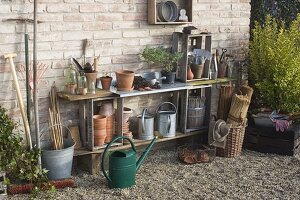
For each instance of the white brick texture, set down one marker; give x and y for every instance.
(117, 31)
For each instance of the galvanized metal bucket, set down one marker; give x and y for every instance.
(166, 120)
(58, 162)
(146, 126)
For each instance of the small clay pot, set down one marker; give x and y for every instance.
(99, 137)
(127, 112)
(197, 70)
(189, 74)
(124, 80)
(105, 82)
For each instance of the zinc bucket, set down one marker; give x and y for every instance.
(166, 120)
(58, 162)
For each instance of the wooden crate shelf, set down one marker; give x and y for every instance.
(186, 43)
(181, 4)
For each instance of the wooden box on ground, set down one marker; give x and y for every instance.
(268, 140)
(181, 4)
(186, 43)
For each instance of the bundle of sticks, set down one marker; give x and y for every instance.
(226, 92)
(56, 134)
(239, 106)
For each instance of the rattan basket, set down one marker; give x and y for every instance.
(234, 142)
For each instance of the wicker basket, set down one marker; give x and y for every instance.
(234, 142)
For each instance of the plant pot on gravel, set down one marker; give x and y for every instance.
(124, 80)
(105, 82)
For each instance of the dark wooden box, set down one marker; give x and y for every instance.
(268, 140)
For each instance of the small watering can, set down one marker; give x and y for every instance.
(123, 165)
(146, 126)
(166, 120)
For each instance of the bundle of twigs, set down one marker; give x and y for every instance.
(247, 90)
(238, 109)
(224, 101)
(56, 134)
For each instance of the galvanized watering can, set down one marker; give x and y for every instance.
(146, 126)
(166, 120)
(123, 165)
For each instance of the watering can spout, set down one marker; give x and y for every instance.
(146, 151)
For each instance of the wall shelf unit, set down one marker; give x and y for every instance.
(181, 4)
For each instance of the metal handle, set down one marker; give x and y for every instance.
(169, 124)
(158, 108)
(105, 152)
(143, 119)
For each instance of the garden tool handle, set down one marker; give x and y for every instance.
(105, 152)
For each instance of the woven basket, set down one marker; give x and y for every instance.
(234, 142)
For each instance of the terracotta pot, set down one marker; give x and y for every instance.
(124, 80)
(197, 70)
(99, 137)
(105, 82)
(106, 108)
(91, 77)
(127, 112)
(189, 74)
(99, 122)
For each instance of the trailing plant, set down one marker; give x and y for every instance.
(20, 165)
(275, 64)
(162, 56)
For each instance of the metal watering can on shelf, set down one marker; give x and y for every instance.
(123, 165)
(166, 120)
(146, 125)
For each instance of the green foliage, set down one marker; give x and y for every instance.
(162, 56)
(275, 64)
(18, 163)
(281, 10)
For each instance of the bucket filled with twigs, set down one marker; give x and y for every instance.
(57, 153)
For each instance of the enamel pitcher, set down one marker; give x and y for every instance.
(123, 165)
(166, 120)
(146, 125)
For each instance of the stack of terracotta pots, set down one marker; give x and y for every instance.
(99, 129)
(127, 112)
(107, 110)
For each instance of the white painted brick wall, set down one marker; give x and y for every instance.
(117, 30)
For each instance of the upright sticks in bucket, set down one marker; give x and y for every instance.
(55, 121)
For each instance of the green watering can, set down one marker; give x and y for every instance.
(123, 165)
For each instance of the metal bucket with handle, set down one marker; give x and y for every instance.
(146, 126)
(166, 120)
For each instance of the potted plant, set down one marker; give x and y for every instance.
(162, 56)
(275, 64)
(19, 164)
(105, 81)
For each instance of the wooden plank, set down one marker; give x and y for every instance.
(207, 105)
(138, 143)
(119, 117)
(90, 125)
(82, 122)
(151, 11)
(184, 108)
(74, 97)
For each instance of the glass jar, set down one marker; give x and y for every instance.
(70, 80)
(82, 83)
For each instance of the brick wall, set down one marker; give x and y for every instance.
(117, 30)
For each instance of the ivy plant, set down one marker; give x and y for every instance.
(275, 64)
(162, 56)
(20, 164)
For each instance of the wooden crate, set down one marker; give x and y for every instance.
(186, 43)
(268, 140)
(181, 4)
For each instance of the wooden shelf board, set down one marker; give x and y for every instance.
(171, 23)
(203, 82)
(99, 94)
(137, 143)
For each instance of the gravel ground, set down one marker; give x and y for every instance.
(251, 176)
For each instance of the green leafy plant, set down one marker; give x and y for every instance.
(162, 56)
(275, 64)
(20, 165)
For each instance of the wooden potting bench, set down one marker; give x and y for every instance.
(88, 158)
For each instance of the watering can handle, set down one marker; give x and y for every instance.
(169, 123)
(143, 119)
(158, 108)
(105, 152)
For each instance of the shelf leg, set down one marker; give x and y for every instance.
(119, 118)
